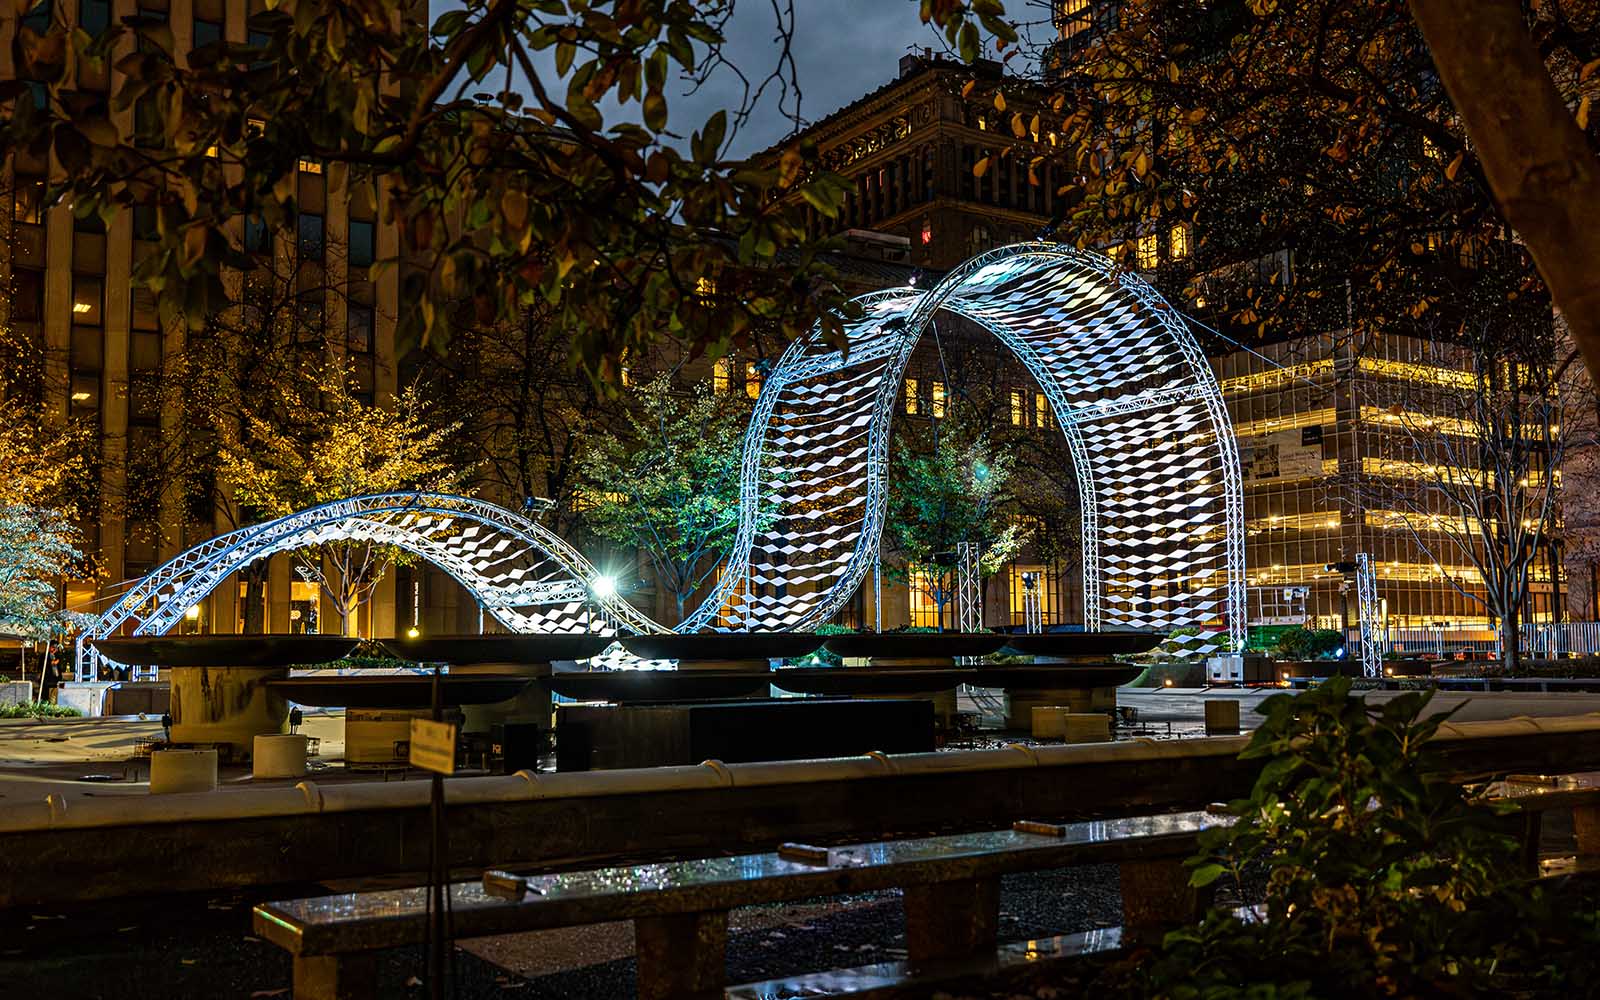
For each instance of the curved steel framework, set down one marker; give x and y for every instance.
(1146, 429)
(1148, 436)
(525, 577)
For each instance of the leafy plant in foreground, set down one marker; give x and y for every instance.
(1383, 876)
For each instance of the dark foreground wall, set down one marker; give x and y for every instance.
(570, 820)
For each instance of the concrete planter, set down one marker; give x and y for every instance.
(15, 692)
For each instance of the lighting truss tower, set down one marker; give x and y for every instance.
(1367, 610)
(969, 588)
(1032, 614)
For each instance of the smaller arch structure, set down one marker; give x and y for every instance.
(522, 575)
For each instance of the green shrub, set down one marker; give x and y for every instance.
(1308, 644)
(822, 657)
(37, 710)
(1383, 877)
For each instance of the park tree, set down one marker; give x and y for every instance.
(668, 485)
(1471, 474)
(1278, 168)
(525, 416)
(954, 489)
(311, 442)
(46, 470)
(220, 383)
(509, 182)
(987, 387)
(1522, 77)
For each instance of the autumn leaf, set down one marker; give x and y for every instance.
(966, 88)
(1583, 113)
(981, 167)
(1455, 165)
(1018, 127)
(999, 101)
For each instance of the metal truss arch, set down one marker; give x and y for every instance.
(522, 575)
(1144, 419)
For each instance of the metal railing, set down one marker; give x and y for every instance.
(1540, 640)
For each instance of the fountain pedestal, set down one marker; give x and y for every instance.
(227, 706)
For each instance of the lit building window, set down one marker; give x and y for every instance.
(705, 287)
(1146, 252)
(310, 167)
(924, 609)
(937, 410)
(927, 232)
(88, 294)
(27, 200)
(1072, 17)
(912, 393)
(1041, 410)
(721, 375)
(1018, 413)
(1178, 242)
(752, 380)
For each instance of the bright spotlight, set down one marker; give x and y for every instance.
(413, 632)
(604, 586)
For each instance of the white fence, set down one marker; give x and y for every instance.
(1538, 640)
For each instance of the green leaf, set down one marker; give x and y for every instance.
(655, 111)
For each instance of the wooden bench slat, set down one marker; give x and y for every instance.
(373, 920)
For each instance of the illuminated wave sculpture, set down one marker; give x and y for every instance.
(1152, 449)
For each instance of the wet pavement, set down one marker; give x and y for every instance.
(201, 947)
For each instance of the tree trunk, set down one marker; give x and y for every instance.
(1511, 635)
(1535, 158)
(255, 596)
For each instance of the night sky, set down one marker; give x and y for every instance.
(842, 50)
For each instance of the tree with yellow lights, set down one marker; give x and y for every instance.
(312, 441)
(44, 475)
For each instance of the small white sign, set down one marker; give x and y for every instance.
(433, 746)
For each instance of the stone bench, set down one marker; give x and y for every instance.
(950, 885)
(1535, 795)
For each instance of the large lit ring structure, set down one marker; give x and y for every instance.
(528, 579)
(1146, 429)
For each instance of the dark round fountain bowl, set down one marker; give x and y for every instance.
(396, 691)
(1048, 677)
(1085, 643)
(224, 650)
(722, 645)
(868, 680)
(659, 685)
(463, 649)
(911, 645)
